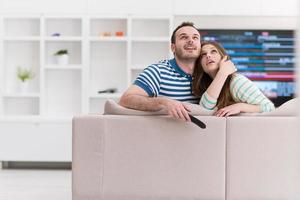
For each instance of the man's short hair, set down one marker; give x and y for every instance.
(183, 24)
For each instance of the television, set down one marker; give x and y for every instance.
(266, 57)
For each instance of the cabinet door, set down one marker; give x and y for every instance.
(280, 8)
(37, 6)
(130, 7)
(216, 7)
(26, 141)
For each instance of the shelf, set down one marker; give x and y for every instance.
(62, 38)
(21, 95)
(108, 39)
(36, 119)
(151, 39)
(106, 95)
(67, 67)
(21, 38)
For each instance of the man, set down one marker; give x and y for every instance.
(167, 84)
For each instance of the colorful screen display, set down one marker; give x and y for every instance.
(265, 56)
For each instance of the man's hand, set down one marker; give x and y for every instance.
(226, 67)
(176, 109)
(229, 110)
(136, 98)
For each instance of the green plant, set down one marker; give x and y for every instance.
(61, 52)
(25, 74)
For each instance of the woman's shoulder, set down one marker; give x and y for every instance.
(237, 77)
(238, 80)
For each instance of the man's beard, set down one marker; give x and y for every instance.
(180, 54)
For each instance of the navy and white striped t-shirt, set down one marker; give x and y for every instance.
(167, 79)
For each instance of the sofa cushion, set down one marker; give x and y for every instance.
(289, 108)
(113, 108)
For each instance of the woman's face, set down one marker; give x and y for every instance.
(210, 59)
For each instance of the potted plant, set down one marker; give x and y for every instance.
(62, 57)
(24, 75)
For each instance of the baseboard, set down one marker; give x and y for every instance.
(35, 165)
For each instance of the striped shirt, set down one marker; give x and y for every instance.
(167, 79)
(242, 90)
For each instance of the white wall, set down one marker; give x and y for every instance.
(177, 7)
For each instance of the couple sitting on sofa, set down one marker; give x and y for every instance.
(200, 73)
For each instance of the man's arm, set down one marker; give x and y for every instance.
(136, 98)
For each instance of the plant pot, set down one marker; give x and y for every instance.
(24, 86)
(62, 59)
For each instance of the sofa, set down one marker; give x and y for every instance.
(134, 155)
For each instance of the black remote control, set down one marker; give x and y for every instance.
(197, 122)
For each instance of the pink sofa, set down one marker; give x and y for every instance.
(128, 157)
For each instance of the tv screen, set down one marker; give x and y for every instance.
(267, 57)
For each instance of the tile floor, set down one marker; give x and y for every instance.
(35, 184)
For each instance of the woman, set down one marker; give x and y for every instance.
(220, 87)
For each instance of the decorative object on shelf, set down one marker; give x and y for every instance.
(119, 33)
(106, 34)
(55, 34)
(108, 90)
(62, 57)
(24, 75)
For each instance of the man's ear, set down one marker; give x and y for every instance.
(173, 48)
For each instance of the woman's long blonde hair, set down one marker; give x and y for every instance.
(202, 80)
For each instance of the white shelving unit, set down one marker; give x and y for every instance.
(104, 52)
(20, 48)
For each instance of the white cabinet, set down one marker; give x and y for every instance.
(37, 6)
(131, 7)
(26, 140)
(280, 8)
(217, 8)
(258, 8)
(104, 52)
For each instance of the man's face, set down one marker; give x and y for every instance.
(187, 43)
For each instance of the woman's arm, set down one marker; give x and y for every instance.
(209, 98)
(244, 90)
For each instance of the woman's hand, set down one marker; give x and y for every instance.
(229, 110)
(236, 109)
(226, 67)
